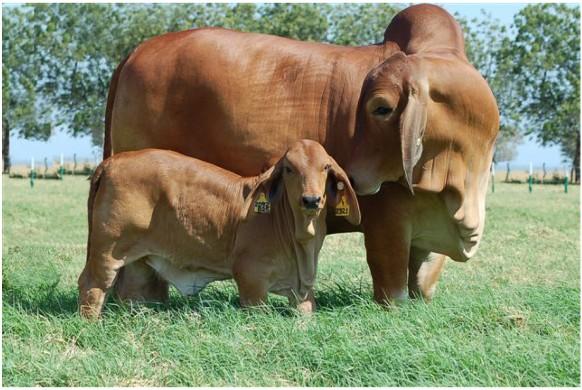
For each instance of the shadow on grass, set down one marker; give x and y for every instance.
(52, 299)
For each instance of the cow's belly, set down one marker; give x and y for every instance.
(187, 281)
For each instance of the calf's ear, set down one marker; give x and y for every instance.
(340, 189)
(412, 127)
(265, 192)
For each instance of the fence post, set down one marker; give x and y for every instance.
(493, 176)
(530, 176)
(45, 166)
(74, 163)
(507, 174)
(565, 180)
(62, 168)
(32, 172)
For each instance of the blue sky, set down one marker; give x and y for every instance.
(22, 150)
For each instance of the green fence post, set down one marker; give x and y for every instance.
(62, 168)
(530, 180)
(566, 183)
(32, 172)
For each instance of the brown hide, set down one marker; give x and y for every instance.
(239, 99)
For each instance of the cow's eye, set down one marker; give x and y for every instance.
(382, 110)
(288, 170)
(327, 167)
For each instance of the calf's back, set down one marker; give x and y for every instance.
(169, 205)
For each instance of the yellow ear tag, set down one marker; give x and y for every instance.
(342, 209)
(262, 204)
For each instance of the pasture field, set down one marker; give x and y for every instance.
(508, 317)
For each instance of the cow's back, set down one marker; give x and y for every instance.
(238, 99)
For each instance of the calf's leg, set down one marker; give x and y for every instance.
(95, 280)
(105, 258)
(251, 278)
(138, 282)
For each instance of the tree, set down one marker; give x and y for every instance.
(506, 145)
(23, 112)
(546, 67)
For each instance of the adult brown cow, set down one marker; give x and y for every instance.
(412, 101)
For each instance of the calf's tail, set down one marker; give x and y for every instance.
(95, 180)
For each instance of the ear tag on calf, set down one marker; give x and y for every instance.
(262, 204)
(342, 209)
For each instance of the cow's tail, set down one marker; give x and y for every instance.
(109, 109)
(95, 180)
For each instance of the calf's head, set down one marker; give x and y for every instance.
(309, 179)
(391, 120)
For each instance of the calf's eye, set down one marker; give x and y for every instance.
(288, 170)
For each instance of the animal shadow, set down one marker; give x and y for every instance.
(52, 298)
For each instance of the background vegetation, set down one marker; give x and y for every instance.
(508, 317)
(58, 59)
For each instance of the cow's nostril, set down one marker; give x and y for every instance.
(311, 202)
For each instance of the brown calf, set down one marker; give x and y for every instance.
(195, 223)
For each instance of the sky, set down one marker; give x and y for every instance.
(22, 150)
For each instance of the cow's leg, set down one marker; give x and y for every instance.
(387, 233)
(138, 282)
(425, 269)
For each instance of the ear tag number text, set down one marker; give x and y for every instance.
(342, 209)
(262, 204)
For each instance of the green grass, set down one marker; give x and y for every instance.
(508, 317)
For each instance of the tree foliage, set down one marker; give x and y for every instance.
(546, 67)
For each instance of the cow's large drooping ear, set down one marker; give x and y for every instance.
(338, 188)
(265, 192)
(412, 126)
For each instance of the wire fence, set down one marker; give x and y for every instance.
(59, 167)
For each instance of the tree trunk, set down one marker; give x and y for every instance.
(575, 177)
(5, 147)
